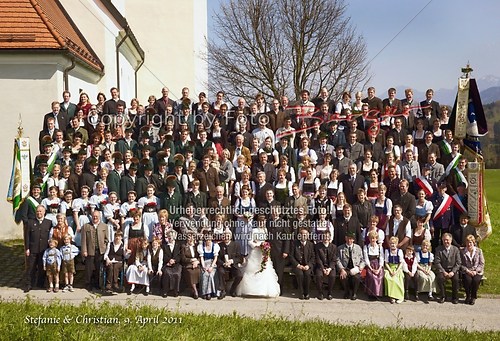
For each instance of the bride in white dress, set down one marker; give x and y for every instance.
(255, 282)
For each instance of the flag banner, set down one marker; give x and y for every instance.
(462, 104)
(425, 185)
(453, 164)
(445, 204)
(475, 193)
(457, 202)
(467, 119)
(461, 178)
(20, 180)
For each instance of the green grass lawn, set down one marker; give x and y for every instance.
(21, 321)
(491, 246)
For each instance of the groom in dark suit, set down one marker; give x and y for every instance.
(326, 260)
(229, 262)
(279, 238)
(302, 259)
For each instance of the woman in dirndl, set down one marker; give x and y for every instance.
(149, 206)
(426, 278)
(133, 233)
(208, 251)
(394, 276)
(374, 259)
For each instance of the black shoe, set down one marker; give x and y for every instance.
(176, 294)
(346, 295)
(302, 297)
(406, 296)
(454, 301)
(164, 295)
(222, 295)
(354, 297)
(321, 297)
(306, 297)
(467, 300)
(146, 293)
(129, 292)
(329, 297)
(416, 297)
(441, 300)
(233, 294)
(27, 289)
(195, 296)
(472, 301)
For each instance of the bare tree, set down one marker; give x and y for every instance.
(279, 47)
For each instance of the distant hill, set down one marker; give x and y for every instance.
(489, 88)
(490, 95)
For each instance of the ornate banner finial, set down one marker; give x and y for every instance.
(466, 70)
(20, 127)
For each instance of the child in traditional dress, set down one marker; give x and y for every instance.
(137, 273)
(393, 274)
(410, 270)
(114, 257)
(68, 253)
(52, 265)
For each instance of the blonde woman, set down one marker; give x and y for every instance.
(426, 278)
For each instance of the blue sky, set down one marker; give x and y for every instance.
(431, 50)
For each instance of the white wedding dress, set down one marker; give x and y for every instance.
(255, 283)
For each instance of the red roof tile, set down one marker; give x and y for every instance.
(43, 24)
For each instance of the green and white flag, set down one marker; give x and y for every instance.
(20, 179)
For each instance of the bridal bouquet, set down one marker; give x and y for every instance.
(265, 247)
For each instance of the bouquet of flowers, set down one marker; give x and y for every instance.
(104, 202)
(151, 204)
(265, 247)
(248, 215)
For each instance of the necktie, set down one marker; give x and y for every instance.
(350, 263)
(238, 151)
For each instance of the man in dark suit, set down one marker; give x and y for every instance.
(66, 106)
(362, 210)
(95, 238)
(341, 162)
(461, 231)
(127, 143)
(303, 258)
(324, 148)
(60, 118)
(354, 150)
(261, 188)
(229, 262)
(36, 241)
(49, 131)
(372, 144)
(435, 108)
(374, 103)
(128, 182)
(27, 210)
(427, 148)
(280, 239)
(323, 98)
(411, 108)
(391, 104)
(264, 166)
(91, 176)
(447, 262)
(347, 223)
(326, 262)
(400, 227)
(110, 106)
(398, 133)
(162, 103)
(208, 176)
(351, 183)
(337, 137)
(406, 200)
(350, 264)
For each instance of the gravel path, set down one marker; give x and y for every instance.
(484, 315)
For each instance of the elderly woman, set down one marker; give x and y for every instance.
(61, 229)
(191, 264)
(208, 251)
(472, 269)
(171, 271)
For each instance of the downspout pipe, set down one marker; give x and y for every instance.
(135, 75)
(118, 56)
(66, 73)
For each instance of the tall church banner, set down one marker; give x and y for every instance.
(462, 108)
